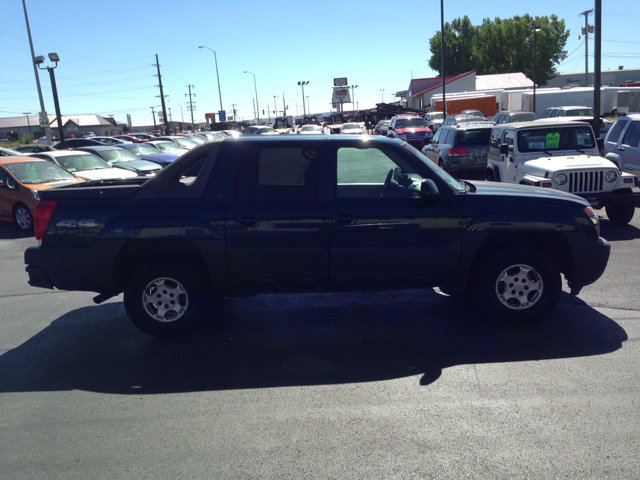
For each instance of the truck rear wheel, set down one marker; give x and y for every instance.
(620, 214)
(518, 285)
(165, 299)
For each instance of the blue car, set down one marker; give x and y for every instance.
(151, 154)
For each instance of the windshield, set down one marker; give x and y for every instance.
(167, 146)
(555, 138)
(411, 123)
(185, 142)
(142, 150)
(266, 130)
(82, 162)
(524, 117)
(309, 128)
(350, 126)
(119, 155)
(436, 116)
(198, 139)
(580, 112)
(38, 172)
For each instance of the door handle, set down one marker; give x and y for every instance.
(247, 221)
(344, 218)
(621, 149)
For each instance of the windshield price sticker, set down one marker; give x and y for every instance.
(553, 140)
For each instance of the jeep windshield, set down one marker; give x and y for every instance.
(411, 123)
(549, 139)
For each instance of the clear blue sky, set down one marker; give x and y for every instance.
(107, 50)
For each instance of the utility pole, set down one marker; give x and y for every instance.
(193, 127)
(233, 105)
(597, 51)
(154, 116)
(164, 109)
(586, 31)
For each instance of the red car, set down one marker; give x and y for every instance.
(410, 128)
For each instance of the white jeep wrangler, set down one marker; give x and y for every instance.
(564, 156)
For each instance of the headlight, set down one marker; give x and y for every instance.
(561, 179)
(35, 194)
(611, 176)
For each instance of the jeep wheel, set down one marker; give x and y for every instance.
(490, 177)
(518, 285)
(164, 299)
(620, 214)
(22, 217)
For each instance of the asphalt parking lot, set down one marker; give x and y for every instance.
(387, 385)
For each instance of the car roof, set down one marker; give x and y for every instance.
(100, 147)
(545, 122)
(408, 116)
(61, 153)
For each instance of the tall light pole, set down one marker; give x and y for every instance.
(257, 103)
(444, 99)
(54, 58)
(43, 112)
(275, 106)
(284, 107)
(535, 31)
(382, 91)
(304, 109)
(353, 94)
(215, 58)
(28, 123)
(309, 105)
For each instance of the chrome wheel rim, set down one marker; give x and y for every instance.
(519, 287)
(23, 218)
(165, 300)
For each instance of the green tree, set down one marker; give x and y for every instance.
(502, 46)
(459, 42)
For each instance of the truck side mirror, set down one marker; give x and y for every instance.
(504, 149)
(429, 191)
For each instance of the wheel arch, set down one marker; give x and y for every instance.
(496, 173)
(137, 253)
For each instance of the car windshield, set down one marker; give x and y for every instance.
(38, 172)
(118, 155)
(384, 123)
(411, 123)
(555, 138)
(198, 139)
(142, 150)
(75, 163)
(524, 117)
(479, 136)
(580, 112)
(309, 128)
(436, 116)
(167, 146)
(185, 142)
(266, 130)
(350, 126)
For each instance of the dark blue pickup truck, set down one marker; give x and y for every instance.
(239, 216)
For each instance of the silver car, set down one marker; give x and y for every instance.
(622, 143)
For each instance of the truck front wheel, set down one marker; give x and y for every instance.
(164, 299)
(620, 214)
(518, 285)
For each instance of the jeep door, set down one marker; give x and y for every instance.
(508, 163)
(276, 218)
(381, 233)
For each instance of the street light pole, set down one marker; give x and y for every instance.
(215, 58)
(304, 108)
(535, 31)
(275, 106)
(28, 123)
(54, 58)
(353, 93)
(255, 86)
(43, 112)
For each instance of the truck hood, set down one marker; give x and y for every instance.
(524, 191)
(540, 166)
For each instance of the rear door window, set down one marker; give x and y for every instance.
(616, 130)
(632, 136)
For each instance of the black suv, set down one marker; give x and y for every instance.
(461, 150)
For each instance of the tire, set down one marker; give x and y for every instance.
(490, 177)
(620, 214)
(174, 285)
(517, 286)
(22, 217)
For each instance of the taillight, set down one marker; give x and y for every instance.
(457, 151)
(42, 215)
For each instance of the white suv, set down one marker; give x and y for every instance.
(622, 143)
(563, 156)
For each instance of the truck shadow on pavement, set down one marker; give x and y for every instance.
(614, 233)
(292, 340)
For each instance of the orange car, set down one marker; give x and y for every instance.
(21, 178)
